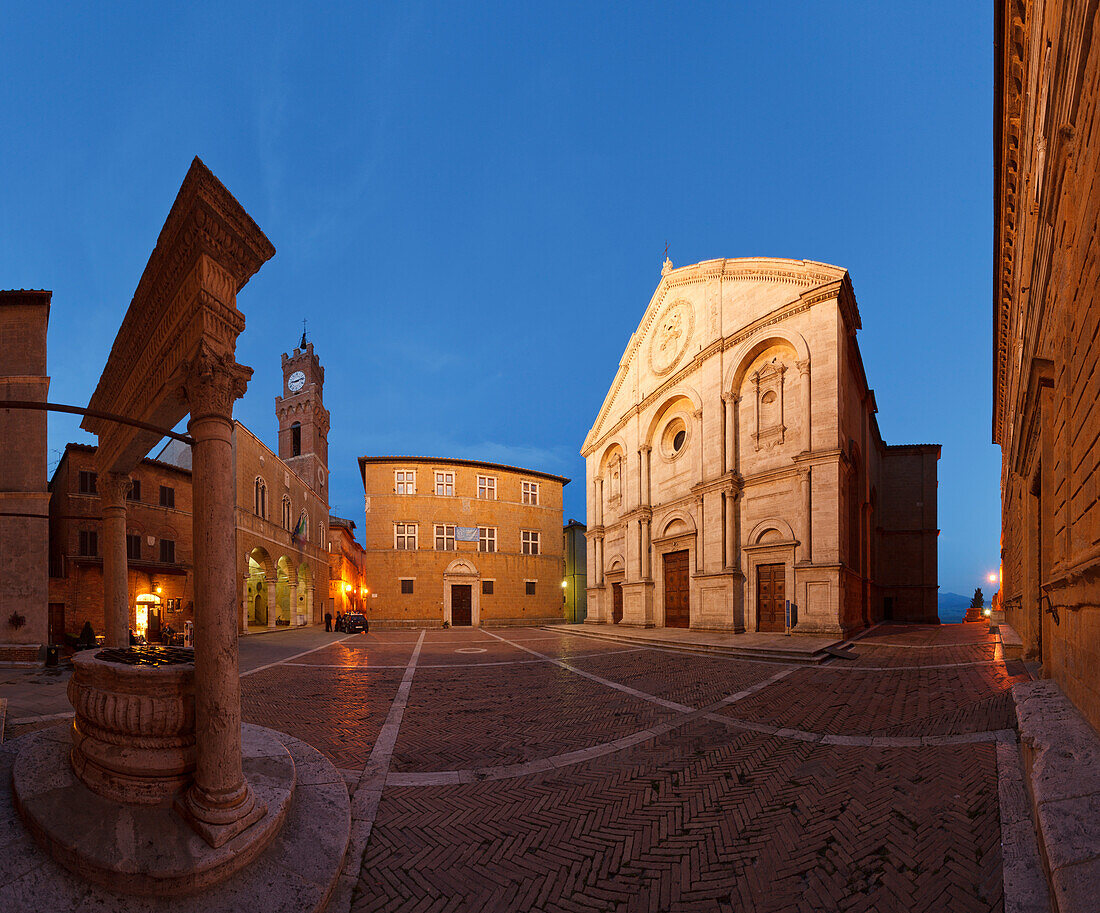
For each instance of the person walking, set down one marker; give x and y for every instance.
(328, 621)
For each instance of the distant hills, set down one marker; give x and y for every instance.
(952, 607)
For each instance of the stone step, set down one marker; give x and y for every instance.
(672, 642)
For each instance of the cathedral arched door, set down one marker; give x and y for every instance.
(616, 603)
(677, 590)
(770, 595)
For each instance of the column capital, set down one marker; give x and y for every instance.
(212, 383)
(731, 398)
(113, 488)
(803, 366)
(644, 448)
(698, 414)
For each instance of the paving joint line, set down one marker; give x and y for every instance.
(287, 659)
(367, 791)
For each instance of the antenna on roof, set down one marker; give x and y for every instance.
(302, 344)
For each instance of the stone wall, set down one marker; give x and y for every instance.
(1047, 335)
(23, 498)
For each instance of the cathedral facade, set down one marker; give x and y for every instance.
(736, 477)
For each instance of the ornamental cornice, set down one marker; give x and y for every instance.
(638, 513)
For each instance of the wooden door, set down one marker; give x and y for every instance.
(152, 635)
(461, 605)
(677, 592)
(770, 596)
(616, 603)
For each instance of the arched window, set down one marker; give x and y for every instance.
(296, 439)
(261, 498)
(321, 534)
(286, 512)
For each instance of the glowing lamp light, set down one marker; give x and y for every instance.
(564, 584)
(988, 613)
(158, 590)
(992, 578)
(347, 587)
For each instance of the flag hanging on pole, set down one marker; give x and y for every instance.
(300, 529)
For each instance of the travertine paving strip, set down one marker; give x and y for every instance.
(463, 665)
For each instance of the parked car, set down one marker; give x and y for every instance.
(354, 623)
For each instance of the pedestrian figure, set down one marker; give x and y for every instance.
(340, 621)
(87, 635)
(328, 621)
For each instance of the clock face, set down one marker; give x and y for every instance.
(296, 382)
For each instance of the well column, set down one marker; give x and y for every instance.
(219, 803)
(113, 488)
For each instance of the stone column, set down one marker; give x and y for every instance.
(599, 561)
(598, 514)
(733, 546)
(647, 571)
(247, 599)
(272, 587)
(113, 487)
(292, 603)
(219, 804)
(643, 457)
(805, 479)
(730, 455)
(804, 378)
(700, 534)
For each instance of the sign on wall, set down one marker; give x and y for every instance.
(466, 534)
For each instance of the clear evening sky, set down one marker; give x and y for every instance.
(470, 202)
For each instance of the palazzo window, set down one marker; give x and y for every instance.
(167, 551)
(531, 493)
(406, 587)
(260, 498)
(529, 587)
(404, 536)
(167, 496)
(286, 513)
(133, 547)
(134, 494)
(296, 439)
(486, 538)
(88, 545)
(529, 542)
(86, 482)
(445, 484)
(404, 481)
(486, 587)
(487, 488)
(444, 538)
(321, 534)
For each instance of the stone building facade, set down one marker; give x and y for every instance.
(158, 547)
(348, 591)
(1046, 335)
(506, 571)
(24, 500)
(736, 464)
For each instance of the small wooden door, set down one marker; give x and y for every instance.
(153, 631)
(677, 592)
(616, 603)
(461, 605)
(56, 634)
(770, 596)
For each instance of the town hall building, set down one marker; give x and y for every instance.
(736, 477)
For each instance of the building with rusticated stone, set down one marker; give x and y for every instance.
(348, 590)
(461, 542)
(736, 464)
(1046, 335)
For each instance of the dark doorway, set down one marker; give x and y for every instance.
(154, 625)
(616, 603)
(56, 634)
(770, 593)
(677, 592)
(887, 608)
(461, 605)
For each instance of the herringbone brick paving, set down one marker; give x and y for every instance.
(704, 816)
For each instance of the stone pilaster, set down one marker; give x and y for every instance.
(804, 378)
(643, 475)
(805, 481)
(113, 487)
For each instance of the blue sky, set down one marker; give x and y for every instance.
(470, 202)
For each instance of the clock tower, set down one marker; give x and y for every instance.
(303, 419)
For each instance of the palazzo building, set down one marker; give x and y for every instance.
(347, 577)
(281, 525)
(1046, 335)
(461, 542)
(736, 464)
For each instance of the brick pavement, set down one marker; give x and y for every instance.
(538, 771)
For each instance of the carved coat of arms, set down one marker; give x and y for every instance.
(671, 335)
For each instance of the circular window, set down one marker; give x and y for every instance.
(674, 438)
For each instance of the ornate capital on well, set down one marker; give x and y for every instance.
(213, 382)
(113, 488)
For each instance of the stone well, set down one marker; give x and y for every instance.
(133, 735)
